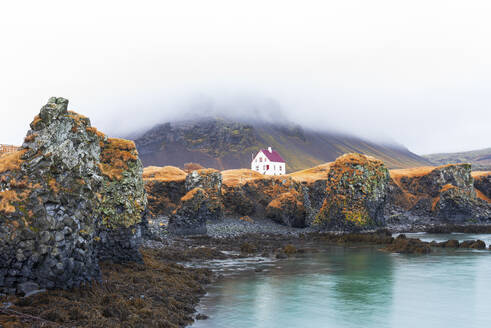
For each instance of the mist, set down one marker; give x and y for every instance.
(415, 73)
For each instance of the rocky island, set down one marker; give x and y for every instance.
(88, 237)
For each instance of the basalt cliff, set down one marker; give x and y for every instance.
(353, 193)
(69, 197)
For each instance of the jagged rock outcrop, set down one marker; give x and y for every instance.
(443, 194)
(356, 193)
(191, 215)
(202, 202)
(281, 198)
(165, 186)
(210, 181)
(122, 201)
(288, 208)
(482, 183)
(57, 195)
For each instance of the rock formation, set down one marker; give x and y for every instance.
(482, 183)
(165, 186)
(443, 194)
(202, 202)
(122, 201)
(356, 192)
(281, 198)
(58, 196)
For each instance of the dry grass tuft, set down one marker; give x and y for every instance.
(240, 176)
(11, 161)
(166, 173)
(313, 174)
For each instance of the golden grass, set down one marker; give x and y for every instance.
(477, 174)
(240, 176)
(166, 173)
(312, 174)
(11, 161)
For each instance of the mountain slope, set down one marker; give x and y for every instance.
(480, 159)
(225, 144)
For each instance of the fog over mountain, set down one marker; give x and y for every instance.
(416, 73)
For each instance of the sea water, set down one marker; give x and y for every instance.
(356, 287)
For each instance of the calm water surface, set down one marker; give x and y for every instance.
(356, 287)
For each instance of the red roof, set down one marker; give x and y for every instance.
(273, 156)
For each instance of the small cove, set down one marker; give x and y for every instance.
(355, 287)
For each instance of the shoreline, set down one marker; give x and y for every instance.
(178, 285)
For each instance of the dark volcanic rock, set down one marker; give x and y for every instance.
(191, 215)
(56, 196)
(287, 208)
(357, 187)
(165, 186)
(408, 246)
(482, 182)
(122, 202)
(443, 194)
(48, 212)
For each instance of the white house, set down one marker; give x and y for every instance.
(269, 162)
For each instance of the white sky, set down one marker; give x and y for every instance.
(417, 72)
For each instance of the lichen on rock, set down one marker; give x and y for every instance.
(47, 190)
(202, 202)
(446, 194)
(56, 201)
(355, 194)
(122, 201)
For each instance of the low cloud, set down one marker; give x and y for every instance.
(415, 73)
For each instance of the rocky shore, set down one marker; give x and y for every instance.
(90, 238)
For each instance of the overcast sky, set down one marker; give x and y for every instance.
(415, 72)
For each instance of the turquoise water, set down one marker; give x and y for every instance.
(356, 287)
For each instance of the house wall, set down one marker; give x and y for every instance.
(261, 163)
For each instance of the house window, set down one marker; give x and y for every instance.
(260, 159)
(257, 168)
(267, 167)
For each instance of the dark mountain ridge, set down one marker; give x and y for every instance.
(229, 144)
(480, 159)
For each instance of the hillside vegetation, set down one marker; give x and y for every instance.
(224, 144)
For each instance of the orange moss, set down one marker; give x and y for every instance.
(434, 203)
(446, 187)
(115, 155)
(30, 138)
(482, 196)
(113, 173)
(6, 199)
(11, 161)
(287, 197)
(190, 194)
(95, 131)
(54, 185)
(166, 173)
(36, 120)
(76, 116)
(247, 219)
